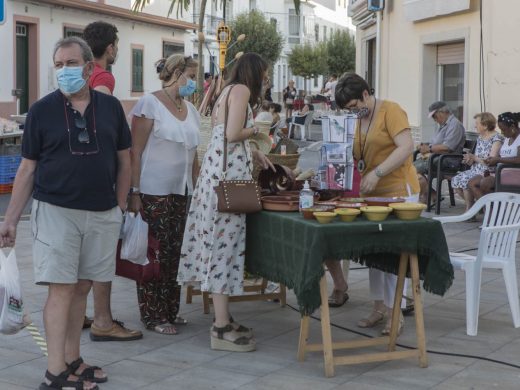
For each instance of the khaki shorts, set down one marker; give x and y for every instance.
(72, 244)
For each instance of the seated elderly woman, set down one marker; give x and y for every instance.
(488, 145)
(509, 154)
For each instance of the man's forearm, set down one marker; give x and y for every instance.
(123, 180)
(22, 190)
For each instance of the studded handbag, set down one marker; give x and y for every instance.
(236, 196)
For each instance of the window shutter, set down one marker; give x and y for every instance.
(450, 54)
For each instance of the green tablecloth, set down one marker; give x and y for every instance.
(286, 248)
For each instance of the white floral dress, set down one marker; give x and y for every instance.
(213, 247)
(482, 150)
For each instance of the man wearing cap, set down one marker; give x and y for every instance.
(449, 138)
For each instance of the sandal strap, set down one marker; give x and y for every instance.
(73, 366)
(220, 331)
(60, 381)
(88, 373)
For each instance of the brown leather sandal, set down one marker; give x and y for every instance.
(400, 325)
(240, 344)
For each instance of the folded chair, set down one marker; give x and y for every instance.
(496, 249)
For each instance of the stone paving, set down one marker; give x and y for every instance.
(185, 361)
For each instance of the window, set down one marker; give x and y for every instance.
(317, 32)
(252, 5)
(170, 48)
(450, 68)
(137, 70)
(294, 27)
(370, 66)
(72, 32)
(273, 22)
(324, 33)
(315, 81)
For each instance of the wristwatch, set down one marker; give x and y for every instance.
(134, 191)
(255, 130)
(379, 172)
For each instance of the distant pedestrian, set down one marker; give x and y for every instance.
(289, 96)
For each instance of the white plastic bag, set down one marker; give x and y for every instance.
(11, 302)
(135, 239)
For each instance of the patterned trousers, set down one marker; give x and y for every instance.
(159, 300)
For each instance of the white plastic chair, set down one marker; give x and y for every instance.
(496, 249)
(303, 128)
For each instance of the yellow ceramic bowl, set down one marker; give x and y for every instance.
(347, 215)
(376, 213)
(324, 216)
(408, 211)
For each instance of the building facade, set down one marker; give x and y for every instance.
(317, 21)
(459, 51)
(32, 28)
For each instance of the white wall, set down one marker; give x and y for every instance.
(51, 23)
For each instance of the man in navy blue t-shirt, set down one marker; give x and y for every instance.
(76, 166)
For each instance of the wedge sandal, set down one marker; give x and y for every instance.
(241, 344)
(88, 374)
(243, 330)
(61, 382)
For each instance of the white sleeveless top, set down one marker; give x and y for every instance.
(510, 150)
(167, 160)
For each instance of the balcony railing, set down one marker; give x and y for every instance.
(210, 23)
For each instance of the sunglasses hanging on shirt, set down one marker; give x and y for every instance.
(83, 137)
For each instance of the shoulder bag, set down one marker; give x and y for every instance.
(236, 196)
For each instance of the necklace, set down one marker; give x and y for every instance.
(178, 106)
(361, 165)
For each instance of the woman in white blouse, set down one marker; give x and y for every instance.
(165, 135)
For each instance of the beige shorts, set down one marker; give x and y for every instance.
(74, 244)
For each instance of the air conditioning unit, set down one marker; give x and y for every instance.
(376, 5)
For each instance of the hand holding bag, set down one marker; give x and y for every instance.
(236, 196)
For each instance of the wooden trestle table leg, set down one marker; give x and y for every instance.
(396, 311)
(419, 318)
(326, 334)
(304, 336)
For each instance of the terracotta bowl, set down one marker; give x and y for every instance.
(279, 203)
(408, 211)
(376, 213)
(309, 213)
(324, 216)
(376, 201)
(347, 215)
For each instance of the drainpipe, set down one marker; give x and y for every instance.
(378, 54)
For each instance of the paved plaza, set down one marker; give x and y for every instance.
(185, 361)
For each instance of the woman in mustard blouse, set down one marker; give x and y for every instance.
(383, 148)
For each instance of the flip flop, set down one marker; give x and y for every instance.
(338, 298)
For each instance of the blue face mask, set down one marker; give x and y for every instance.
(189, 88)
(70, 79)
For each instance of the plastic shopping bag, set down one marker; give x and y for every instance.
(11, 302)
(135, 239)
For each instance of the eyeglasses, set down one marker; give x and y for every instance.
(83, 135)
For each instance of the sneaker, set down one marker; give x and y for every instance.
(117, 332)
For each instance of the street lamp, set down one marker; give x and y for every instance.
(223, 39)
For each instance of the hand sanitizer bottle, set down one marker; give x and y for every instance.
(306, 197)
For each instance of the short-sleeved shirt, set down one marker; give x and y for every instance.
(83, 182)
(333, 85)
(390, 120)
(167, 160)
(102, 77)
(452, 134)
